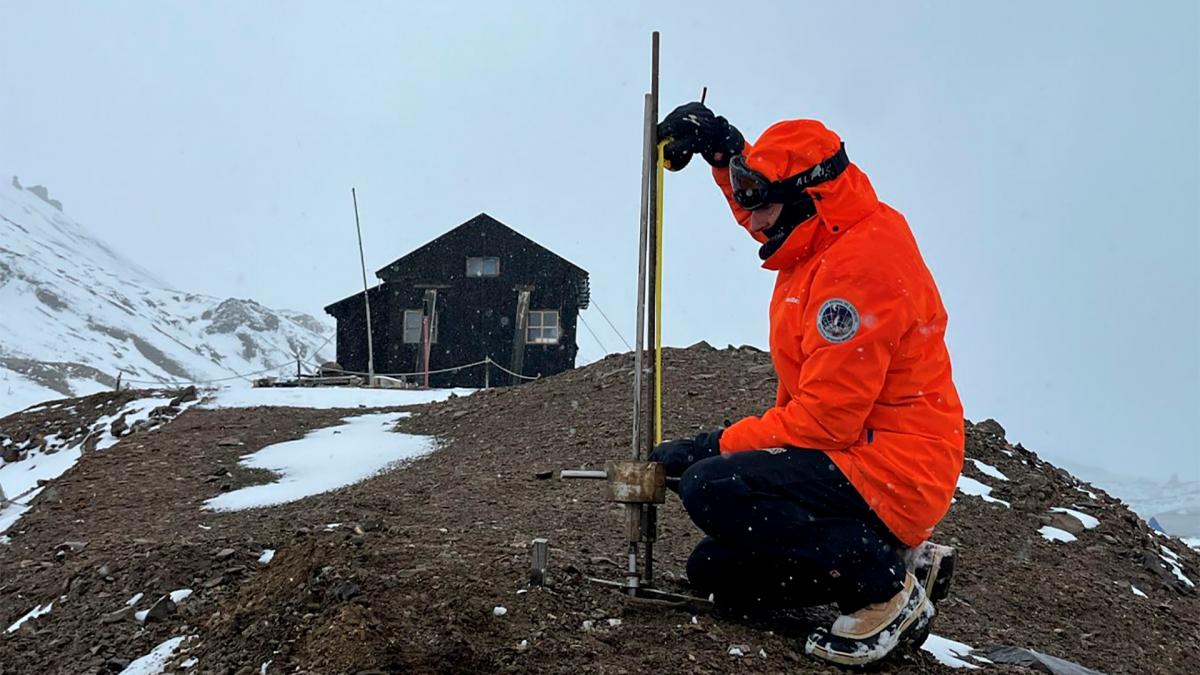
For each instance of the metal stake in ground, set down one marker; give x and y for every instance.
(541, 557)
(648, 522)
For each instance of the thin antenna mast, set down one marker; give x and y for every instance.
(366, 296)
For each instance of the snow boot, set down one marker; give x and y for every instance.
(873, 632)
(933, 566)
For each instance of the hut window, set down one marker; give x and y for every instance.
(543, 327)
(412, 327)
(483, 267)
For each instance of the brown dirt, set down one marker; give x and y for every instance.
(408, 581)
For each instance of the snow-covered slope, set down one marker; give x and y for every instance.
(73, 313)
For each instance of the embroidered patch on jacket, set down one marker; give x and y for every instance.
(837, 320)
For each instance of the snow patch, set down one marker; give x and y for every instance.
(134, 600)
(970, 486)
(988, 469)
(1055, 534)
(324, 460)
(155, 662)
(180, 595)
(1138, 592)
(267, 556)
(1172, 560)
(1089, 521)
(31, 614)
(21, 478)
(949, 652)
(325, 397)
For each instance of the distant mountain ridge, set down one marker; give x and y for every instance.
(1174, 503)
(74, 314)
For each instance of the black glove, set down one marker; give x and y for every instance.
(693, 128)
(680, 454)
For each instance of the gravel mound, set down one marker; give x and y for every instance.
(424, 568)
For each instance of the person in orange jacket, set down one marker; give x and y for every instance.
(832, 494)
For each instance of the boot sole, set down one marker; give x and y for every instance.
(910, 639)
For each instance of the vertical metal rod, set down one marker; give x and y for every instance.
(366, 297)
(651, 209)
(541, 560)
(649, 513)
(631, 580)
(643, 234)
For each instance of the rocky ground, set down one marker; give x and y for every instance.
(405, 572)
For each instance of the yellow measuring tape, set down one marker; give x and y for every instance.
(658, 284)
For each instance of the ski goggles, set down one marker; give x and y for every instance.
(752, 190)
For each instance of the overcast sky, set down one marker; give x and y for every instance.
(1046, 154)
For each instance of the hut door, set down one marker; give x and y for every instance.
(519, 328)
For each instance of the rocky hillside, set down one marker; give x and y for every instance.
(76, 314)
(424, 568)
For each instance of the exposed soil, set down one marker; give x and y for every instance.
(409, 577)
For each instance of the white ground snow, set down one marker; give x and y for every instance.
(31, 614)
(1137, 591)
(1089, 521)
(267, 556)
(1055, 534)
(19, 478)
(180, 595)
(325, 397)
(1172, 560)
(988, 469)
(18, 392)
(949, 652)
(970, 486)
(155, 662)
(1191, 542)
(134, 412)
(324, 460)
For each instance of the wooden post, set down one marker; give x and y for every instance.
(118, 380)
(428, 321)
(366, 299)
(520, 325)
(487, 372)
(541, 558)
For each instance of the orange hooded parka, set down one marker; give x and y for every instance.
(857, 338)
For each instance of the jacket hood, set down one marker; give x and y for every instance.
(792, 146)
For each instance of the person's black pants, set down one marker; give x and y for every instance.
(786, 529)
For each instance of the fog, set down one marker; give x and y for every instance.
(1046, 155)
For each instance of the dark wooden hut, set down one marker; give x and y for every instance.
(480, 291)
